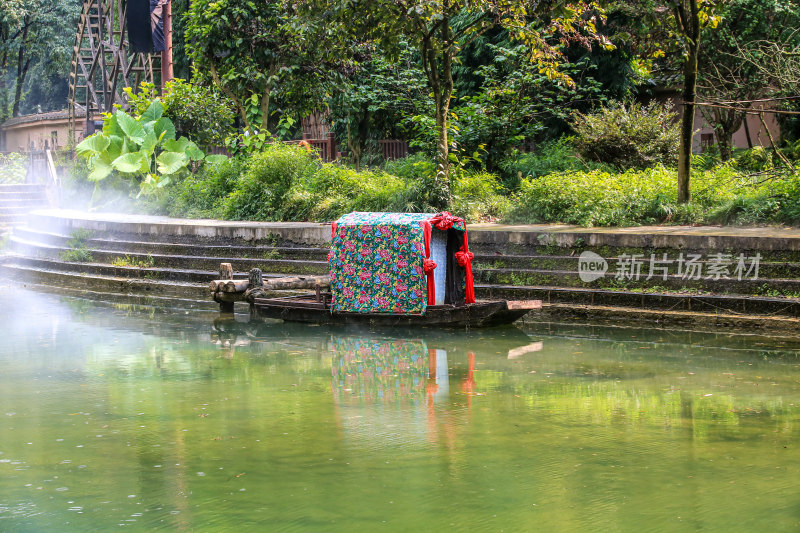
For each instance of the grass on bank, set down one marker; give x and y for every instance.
(286, 182)
(551, 185)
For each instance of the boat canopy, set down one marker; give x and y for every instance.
(399, 263)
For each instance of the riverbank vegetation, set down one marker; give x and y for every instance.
(568, 116)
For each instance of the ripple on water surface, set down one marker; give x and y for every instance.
(115, 416)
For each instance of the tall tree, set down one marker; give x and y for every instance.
(688, 18)
(11, 13)
(723, 76)
(776, 60)
(34, 34)
(374, 99)
(439, 30)
(268, 57)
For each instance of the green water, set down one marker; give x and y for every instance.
(114, 417)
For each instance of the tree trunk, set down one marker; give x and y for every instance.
(747, 133)
(22, 70)
(3, 88)
(726, 122)
(442, 192)
(692, 29)
(230, 94)
(442, 87)
(725, 142)
(265, 110)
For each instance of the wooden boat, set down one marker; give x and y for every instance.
(386, 269)
(311, 309)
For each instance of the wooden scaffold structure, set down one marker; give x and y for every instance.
(103, 64)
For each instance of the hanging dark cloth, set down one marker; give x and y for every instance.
(137, 19)
(157, 24)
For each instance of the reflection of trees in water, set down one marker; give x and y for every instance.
(596, 373)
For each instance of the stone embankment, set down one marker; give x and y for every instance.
(715, 276)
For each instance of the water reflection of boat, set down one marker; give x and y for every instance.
(371, 367)
(379, 369)
(227, 330)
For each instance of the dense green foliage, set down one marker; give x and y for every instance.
(267, 57)
(550, 157)
(288, 182)
(198, 112)
(36, 39)
(143, 147)
(13, 168)
(725, 76)
(634, 136)
(722, 195)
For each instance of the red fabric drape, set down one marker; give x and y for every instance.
(464, 258)
(429, 265)
(333, 229)
(444, 221)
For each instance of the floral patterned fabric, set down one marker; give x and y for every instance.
(376, 263)
(385, 369)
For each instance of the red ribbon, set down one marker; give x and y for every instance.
(333, 230)
(444, 220)
(464, 259)
(428, 265)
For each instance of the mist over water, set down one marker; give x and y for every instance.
(144, 418)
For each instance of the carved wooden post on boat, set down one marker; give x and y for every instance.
(256, 278)
(254, 281)
(226, 272)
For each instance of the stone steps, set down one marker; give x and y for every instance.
(779, 277)
(775, 326)
(16, 201)
(571, 278)
(27, 235)
(7, 188)
(123, 257)
(142, 298)
(96, 282)
(752, 305)
(523, 263)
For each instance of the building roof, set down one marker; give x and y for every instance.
(40, 117)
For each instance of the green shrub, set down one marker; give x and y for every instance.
(478, 196)
(13, 168)
(419, 171)
(594, 198)
(550, 157)
(632, 136)
(267, 177)
(287, 182)
(201, 195)
(755, 159)
(335, 190)
(201, 113)
(722, 195)
(415, 167)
